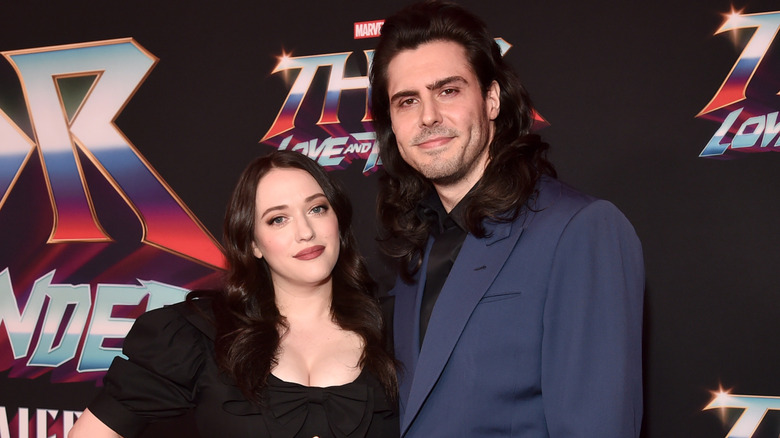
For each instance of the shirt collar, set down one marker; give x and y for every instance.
(432, 210)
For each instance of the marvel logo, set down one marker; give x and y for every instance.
(368, 29)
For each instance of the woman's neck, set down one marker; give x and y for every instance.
(300, 304)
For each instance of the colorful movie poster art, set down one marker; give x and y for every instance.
(92, 235)
(746, 104)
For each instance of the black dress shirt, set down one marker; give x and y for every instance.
(449, 232)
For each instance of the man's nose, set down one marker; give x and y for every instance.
(430, 113)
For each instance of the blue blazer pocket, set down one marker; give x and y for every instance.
(491, 296)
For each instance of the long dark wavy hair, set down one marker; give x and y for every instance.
(247, 319)
(517, 157)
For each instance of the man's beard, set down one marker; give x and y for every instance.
(446, 173)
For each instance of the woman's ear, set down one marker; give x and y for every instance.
(256, 251)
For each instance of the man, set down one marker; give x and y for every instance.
(518, 311)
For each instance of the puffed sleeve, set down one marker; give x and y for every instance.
(592, 342)
(158, 379)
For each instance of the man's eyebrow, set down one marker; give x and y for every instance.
(432, 86)
(403, 94)
(446, 81)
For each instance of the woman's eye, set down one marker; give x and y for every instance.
(319, 209)
(278, 220)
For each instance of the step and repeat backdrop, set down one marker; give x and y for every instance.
(124, 126)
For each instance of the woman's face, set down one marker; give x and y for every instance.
(296, 230)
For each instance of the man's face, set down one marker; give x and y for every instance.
(441, 121)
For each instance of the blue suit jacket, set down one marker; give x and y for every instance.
(536, 332)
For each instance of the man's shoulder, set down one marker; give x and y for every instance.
(558, 202)
(554, 198)
(553, 193)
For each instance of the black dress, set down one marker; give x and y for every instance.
(171, 369)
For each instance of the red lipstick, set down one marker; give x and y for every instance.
(309, 253)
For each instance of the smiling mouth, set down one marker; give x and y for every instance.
(434, 142)
(310, 253)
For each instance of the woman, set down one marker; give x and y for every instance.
(292, 346)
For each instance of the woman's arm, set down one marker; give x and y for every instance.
(89, 426)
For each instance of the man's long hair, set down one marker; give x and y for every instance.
(248, 321)
(517, 158)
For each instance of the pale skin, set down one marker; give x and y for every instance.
(315, 351)
(88, 425)
(297, 233)
(442, 121)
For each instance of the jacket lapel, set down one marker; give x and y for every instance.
(404, 334)
(406, 327)
(477, 265)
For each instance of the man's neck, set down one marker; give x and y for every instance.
(451, 195)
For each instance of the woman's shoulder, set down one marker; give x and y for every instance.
(199, 312)
(192, 319)
(167, 351)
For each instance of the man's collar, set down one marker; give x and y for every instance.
(432, 210)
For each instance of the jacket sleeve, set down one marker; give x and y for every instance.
(592, 334)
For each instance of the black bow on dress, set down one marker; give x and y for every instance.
(348, 408)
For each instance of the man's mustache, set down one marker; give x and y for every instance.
(437, 131)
